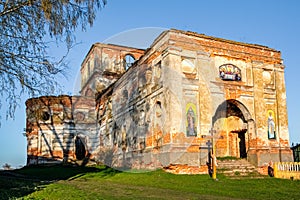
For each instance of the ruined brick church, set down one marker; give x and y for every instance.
(162, 106)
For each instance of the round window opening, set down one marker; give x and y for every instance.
(45, 116)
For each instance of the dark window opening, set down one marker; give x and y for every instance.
(45, 116)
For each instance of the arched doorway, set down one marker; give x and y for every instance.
(80, 150)
(231, 123)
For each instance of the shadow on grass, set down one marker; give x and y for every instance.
(21, 182)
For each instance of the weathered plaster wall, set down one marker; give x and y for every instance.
(190, 67)
(262, 83)
(131, 115)
(103, 65)
(171, 101)
(53, 123)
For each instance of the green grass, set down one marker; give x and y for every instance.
(105, 183)
(228, 158)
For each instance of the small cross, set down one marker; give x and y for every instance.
(208, 143)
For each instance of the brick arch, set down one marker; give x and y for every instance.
(245, 132)
(232, 107)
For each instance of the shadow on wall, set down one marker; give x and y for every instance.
(54, 129)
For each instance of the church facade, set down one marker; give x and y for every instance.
(167, 106)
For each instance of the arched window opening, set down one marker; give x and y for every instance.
(128, 61)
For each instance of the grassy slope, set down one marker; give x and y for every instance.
(106, 183)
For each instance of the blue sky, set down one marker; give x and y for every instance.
(275, 24)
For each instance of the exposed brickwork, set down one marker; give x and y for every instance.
(226, 48)
(53, 123)
(158, 112)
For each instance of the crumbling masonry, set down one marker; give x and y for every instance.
(154, 108)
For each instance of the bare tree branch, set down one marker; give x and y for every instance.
(25, 66)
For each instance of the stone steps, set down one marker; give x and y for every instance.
(237, 168)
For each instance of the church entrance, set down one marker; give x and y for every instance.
(241, 147)
(230, 123)
(242, 144)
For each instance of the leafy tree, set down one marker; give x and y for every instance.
(25, 66)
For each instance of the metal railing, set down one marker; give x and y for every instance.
(287, 170)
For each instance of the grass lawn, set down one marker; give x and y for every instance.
(105, 183)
